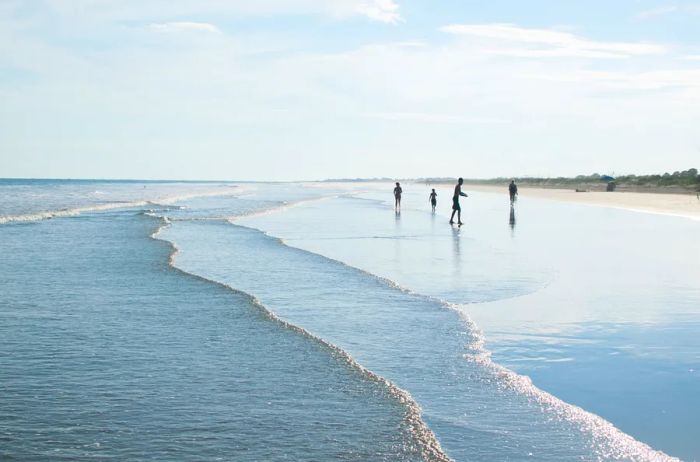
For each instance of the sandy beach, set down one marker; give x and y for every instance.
(683, 205)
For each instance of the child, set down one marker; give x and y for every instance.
(433, 199)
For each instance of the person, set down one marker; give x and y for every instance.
(397, 196)
(433, 199)
(513, 190)
(455, 203)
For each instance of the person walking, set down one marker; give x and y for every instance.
(455, 203)
(512, 190)
(397, 196)
(433, 199)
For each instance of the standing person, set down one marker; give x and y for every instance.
(397, 196)
(455, 203)
(513, 190)
(433, 199)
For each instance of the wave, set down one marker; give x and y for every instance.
(428, 444)
(612, 443)
(71, 212)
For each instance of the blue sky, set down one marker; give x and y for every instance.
(312, 89)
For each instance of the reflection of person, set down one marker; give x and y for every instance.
(397, 196)
(433, 199)
(511, 217)
(455, 202)
(513, 190)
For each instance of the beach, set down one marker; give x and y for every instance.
(681, 205)
(241, 231)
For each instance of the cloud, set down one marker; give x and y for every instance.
(396, 99)
(684, 9)
(386, 11)
(690, 58)
(654, 12)
(381, 10)
(629, 81)
(545, 43)
(432, 118)
(184, 27)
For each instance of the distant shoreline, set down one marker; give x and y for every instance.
(684, 205)
(678, 182)
(551, 185)
(584, 187)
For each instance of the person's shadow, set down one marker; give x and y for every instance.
(456, 251)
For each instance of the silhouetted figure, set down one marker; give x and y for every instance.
(511, 218)
(455, 203)
(433, 199)
(397, 196)
(513, 190)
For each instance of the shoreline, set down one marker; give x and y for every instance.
(673, 204)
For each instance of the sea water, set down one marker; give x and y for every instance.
(363, 335)
(109, 353)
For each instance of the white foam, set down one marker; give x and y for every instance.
(611, 442)
(38, 216)
(428, 444)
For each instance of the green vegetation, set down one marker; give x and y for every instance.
(679, 181)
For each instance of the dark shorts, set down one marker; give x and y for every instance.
(455, 204)
(434, 202)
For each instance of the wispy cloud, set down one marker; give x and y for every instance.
(386, 11)
(544, 43)
(433, 118)
(402, 94)
(655, 12)
(380, 10)
(185, 27)
(626, 81)
(665, 10)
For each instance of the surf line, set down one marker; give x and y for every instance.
(72, 212)
(427, 442)
(614, 443)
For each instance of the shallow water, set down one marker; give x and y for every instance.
(415, 342)
(600, 307)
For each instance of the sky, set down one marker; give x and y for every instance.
(315, 89)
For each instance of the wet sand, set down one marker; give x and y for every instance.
(683, 205)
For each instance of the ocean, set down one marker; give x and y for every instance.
(309, 321)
